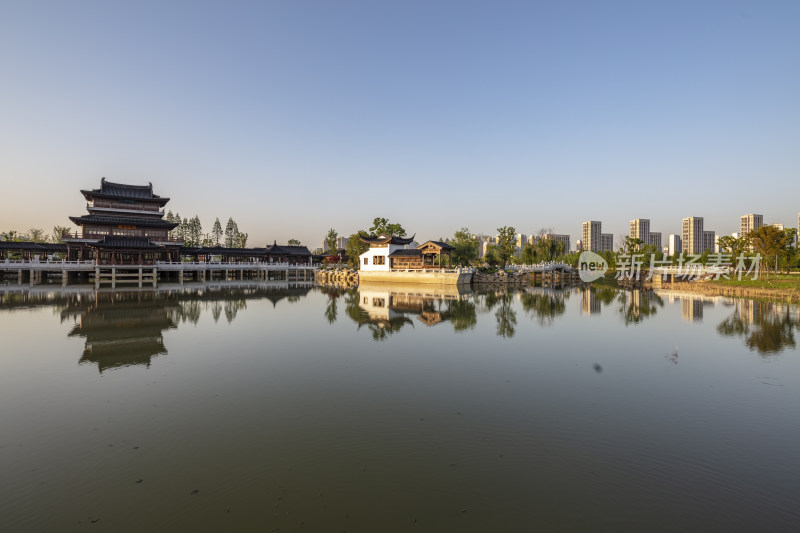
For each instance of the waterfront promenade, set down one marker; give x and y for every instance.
(36, 271)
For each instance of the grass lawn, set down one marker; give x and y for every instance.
(769, 281)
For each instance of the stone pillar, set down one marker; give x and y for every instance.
(64, 277)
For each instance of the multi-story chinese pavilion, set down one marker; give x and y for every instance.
(125, 226)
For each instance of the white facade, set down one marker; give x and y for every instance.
(376, 259)
(674, 244)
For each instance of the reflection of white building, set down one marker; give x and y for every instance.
(590, 305)
(692, 309)
(385, 304)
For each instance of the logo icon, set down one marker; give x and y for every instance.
(591, 266)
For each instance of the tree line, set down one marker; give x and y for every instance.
(34, 235)
(191, 231)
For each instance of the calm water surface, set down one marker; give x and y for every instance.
(275, 408)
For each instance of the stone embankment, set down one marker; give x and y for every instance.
(501, 277)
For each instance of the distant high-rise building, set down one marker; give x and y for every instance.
(674, 244)
(607, 240)
(579, 245)
(341, 242)
(563, 239)
(640, 229)
(748, 223)
(709, 239)
(692, 235)
(654, 239)
(592, 239)
(777, 225)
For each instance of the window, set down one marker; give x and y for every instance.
(379, 260)
(366, 260)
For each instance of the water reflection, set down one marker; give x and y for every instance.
(386, 309)
(544, 304)
(505, 316)
(637, 305)
(125, 328)
(767, 327)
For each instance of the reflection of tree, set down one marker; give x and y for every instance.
(767, 327)
(605, 295)
(331, 311)
(232, 308)
(544, 306)
(637, 305)
(190, 311)
(383, 328)
(216, 310)
(506, 316)
(462, 314)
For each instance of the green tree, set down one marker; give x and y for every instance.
(330, 241)
(231, 232)
(10, 236)
(355, 247)
(241, 240)
(465, 248)
(381, 226)
(491, 258)
(773, 244)
(36, 235)
(216, 231)
(294, 242)
(528, 254)
(506, 244)
(58, 231)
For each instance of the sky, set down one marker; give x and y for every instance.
(294, 117)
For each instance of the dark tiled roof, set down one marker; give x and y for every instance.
(441, 244)
(124, 221)
(276, 249)
(387, 239)
(413, 252)
(221, 250)
(117, 241)
(110, 189)
(27, 246)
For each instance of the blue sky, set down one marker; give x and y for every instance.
(298, 116)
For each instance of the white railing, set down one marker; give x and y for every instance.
(51, 263)
(35, 264)
(540, 267)
(454, 270)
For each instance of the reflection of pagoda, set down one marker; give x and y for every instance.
(123, 328)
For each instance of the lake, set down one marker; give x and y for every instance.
(275, 407)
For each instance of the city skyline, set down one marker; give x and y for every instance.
(295, 118)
